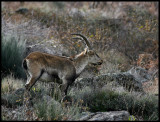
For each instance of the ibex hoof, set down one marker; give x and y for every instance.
(66, 99)
(27, 87)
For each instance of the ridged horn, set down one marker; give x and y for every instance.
(84, 38)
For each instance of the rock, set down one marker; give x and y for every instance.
(42, 48)
(19, 91)
(81, 82)
(51, 47)
(105, 116)
(16, 98)
(12, 100)
(22, 10)
(113, 86)
(140, 74)
(89, 72)
(128, 81)
(86, 116)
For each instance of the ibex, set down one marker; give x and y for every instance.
(45, 67)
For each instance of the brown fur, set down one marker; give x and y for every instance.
(45, 66)
(39, 63)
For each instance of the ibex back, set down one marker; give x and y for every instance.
(45, 67)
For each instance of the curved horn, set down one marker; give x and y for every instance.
(85, 39)
(79, 38)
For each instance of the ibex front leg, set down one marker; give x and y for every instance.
(64, 88)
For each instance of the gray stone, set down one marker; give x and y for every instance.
(105, 116)
(128, 81)
(139, 73)
(42, 48)
(22, 10)
(125, 79)
(86, 115)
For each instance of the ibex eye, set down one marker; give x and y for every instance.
(92, 53)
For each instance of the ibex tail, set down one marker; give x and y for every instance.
(24, 64)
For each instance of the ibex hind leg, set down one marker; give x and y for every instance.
(33, 77)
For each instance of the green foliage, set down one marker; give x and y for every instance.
(41, 110)
(13, 49)
(145, 106)
(57, 111)
(54, 111)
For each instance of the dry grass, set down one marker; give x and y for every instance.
(9, 84)
(152, 87)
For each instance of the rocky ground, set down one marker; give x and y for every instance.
(120, 82)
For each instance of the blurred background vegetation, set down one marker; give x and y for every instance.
(119, 31)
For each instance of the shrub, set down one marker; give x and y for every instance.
(41, 110)
(56, 111)
(138, 105)
(13, 48)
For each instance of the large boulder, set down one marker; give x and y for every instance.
(105, 116)
(57, 49)
(127, 80)
(13, 99)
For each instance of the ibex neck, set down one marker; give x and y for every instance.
(80, 62)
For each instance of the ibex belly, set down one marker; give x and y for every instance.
(46, 77)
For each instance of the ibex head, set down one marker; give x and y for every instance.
(91, 55)
(93, 58)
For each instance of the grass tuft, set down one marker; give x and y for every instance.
(13, 48)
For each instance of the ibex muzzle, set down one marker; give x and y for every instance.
(45, 67)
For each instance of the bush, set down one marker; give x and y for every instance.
(138, 105)
(13, 49)
(41, 110)
(56, 111)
